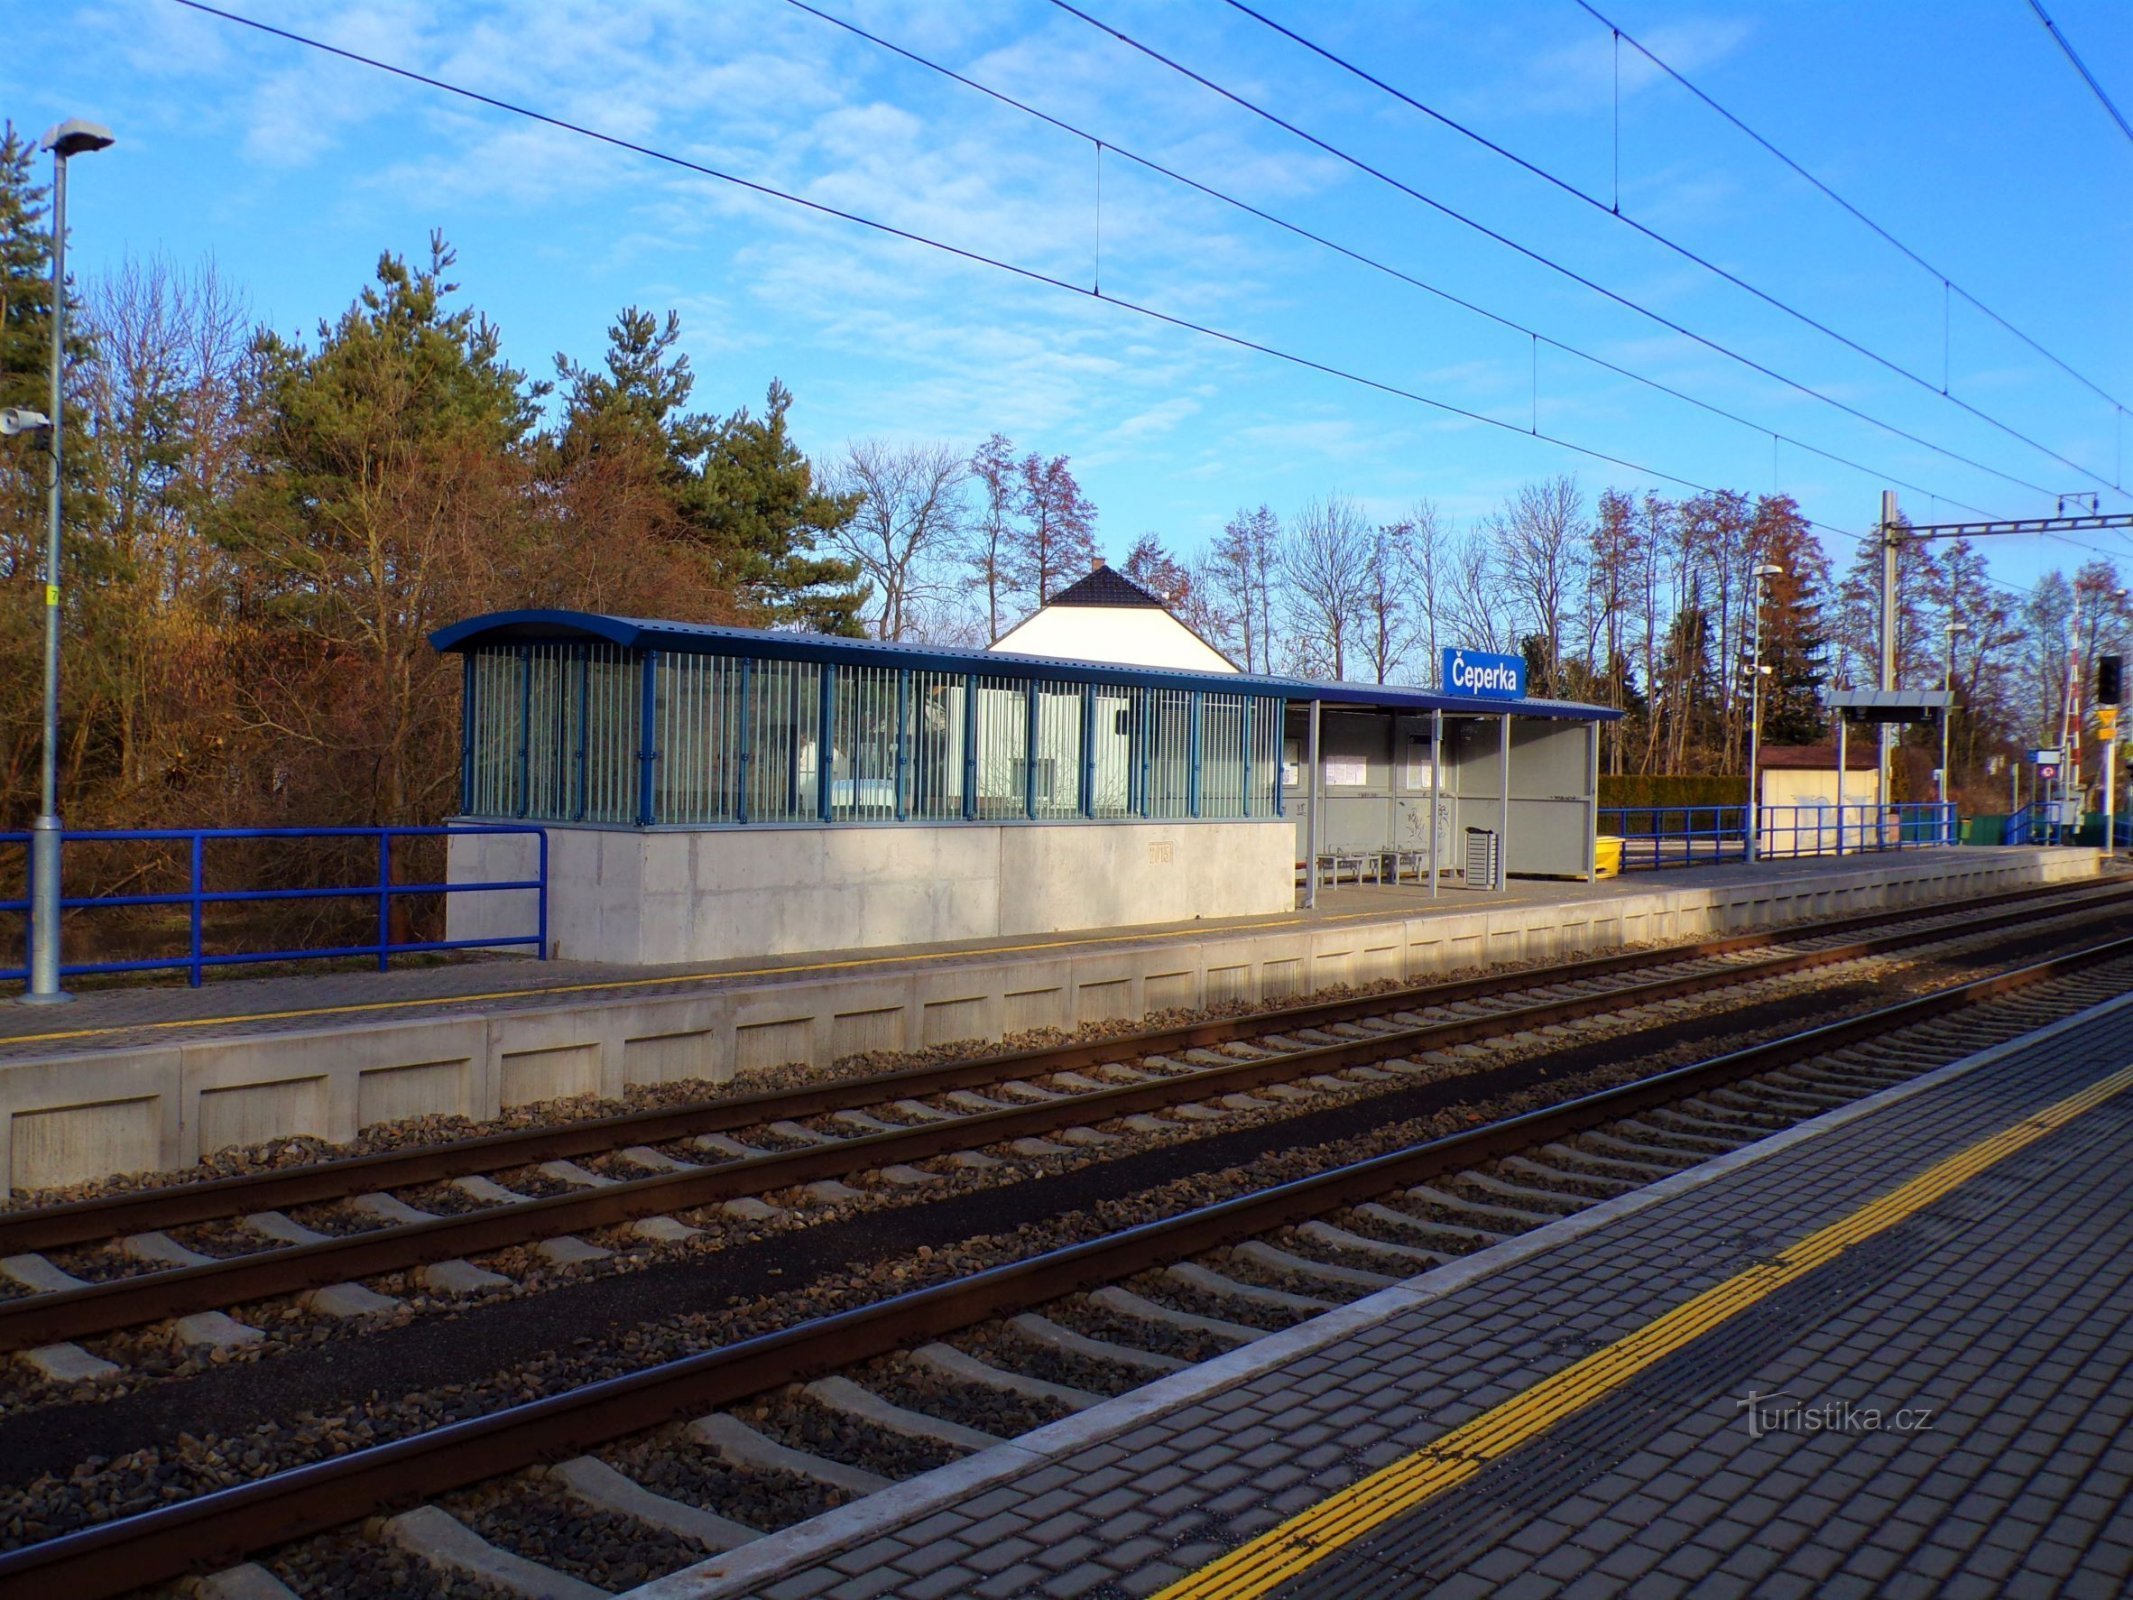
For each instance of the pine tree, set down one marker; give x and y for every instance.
(742, 495)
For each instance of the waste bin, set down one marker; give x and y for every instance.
(1607, 856)
(1484, 859)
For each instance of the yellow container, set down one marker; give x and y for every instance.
(1607, 856)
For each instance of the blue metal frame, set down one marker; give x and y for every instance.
(745, 756)
(1192, 755)
(197, 897)
(525, 729)
(691, 638)
(1680, 836)
(1031, 701)
(582, 756)
(903, 745)
(970, 747)
(647, 737)
(825, 760)
(466, 733)
(1088, 750)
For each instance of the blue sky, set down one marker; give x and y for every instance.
(1959, 126)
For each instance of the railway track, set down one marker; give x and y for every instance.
(683, 1160)
(1033, 1337)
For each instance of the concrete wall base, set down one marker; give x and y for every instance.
(716, 894)
(68, 1118)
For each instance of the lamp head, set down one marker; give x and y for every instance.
(1766, 570)
(74, 137)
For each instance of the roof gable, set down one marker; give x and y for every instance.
(1104, 586)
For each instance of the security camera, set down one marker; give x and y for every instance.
(20, 419)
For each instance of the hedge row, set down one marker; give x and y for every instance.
(1674, 789)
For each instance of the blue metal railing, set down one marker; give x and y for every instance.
(196, 897)
(1677, 836)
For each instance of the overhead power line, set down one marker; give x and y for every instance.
(1363, 258)
(1541, 258)
(1947, 283)
(2081, 67)
(1027, 274)
(1706, 263)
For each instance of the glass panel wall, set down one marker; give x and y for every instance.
(1114, 787)
(866, 730)
(936, 745)
(555, 733)
(1057, 790)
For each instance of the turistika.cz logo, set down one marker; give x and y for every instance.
(1784, 1412)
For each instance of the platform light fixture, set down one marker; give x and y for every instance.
(71, 138)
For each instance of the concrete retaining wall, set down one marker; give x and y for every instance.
(79, 1116)
(667, 895)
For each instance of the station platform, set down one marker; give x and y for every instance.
(1883, 1353)
(145, 1078)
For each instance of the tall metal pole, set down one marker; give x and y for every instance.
(45, 831)
(1503, 778)
(1312, 792)
(1888, 643)
(1436, 791)
(1755, 730)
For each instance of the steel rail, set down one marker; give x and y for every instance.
(223, 1526)
(59, 1316)
(109, 1216)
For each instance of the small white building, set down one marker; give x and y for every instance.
(1106, 616)
(1803, 800)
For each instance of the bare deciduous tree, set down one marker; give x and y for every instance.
(1540, 539)
(1325, 561)
(911, 508)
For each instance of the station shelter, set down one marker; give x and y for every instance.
(708, 792)
(1414, 782)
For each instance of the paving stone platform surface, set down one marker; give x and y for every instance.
(1969, 1364)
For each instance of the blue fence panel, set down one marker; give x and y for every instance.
(1678, 836)
(196, 897)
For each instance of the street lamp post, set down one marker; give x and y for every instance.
(68, 139)
(1947, 717)
(1755, 717)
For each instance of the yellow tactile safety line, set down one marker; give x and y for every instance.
(610, 985)
(1312, 1535)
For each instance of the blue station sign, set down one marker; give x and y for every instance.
(1484, 674)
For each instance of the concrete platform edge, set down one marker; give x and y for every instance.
(162, 1100)
(731, 1576)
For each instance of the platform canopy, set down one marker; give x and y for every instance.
(1888, 705)
(703, 638)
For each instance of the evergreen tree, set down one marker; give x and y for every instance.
(380, 471)
(758, 512)
(741, 493)
(1795, 637)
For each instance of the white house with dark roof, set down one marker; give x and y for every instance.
(1106, 616)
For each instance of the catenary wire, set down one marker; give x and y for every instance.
(2082, 67)
(1799, 171)
(1541, 259)
(1364, 259)
(1704, 262)
(1028, 274)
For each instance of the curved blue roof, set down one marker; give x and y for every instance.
(706, 638)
